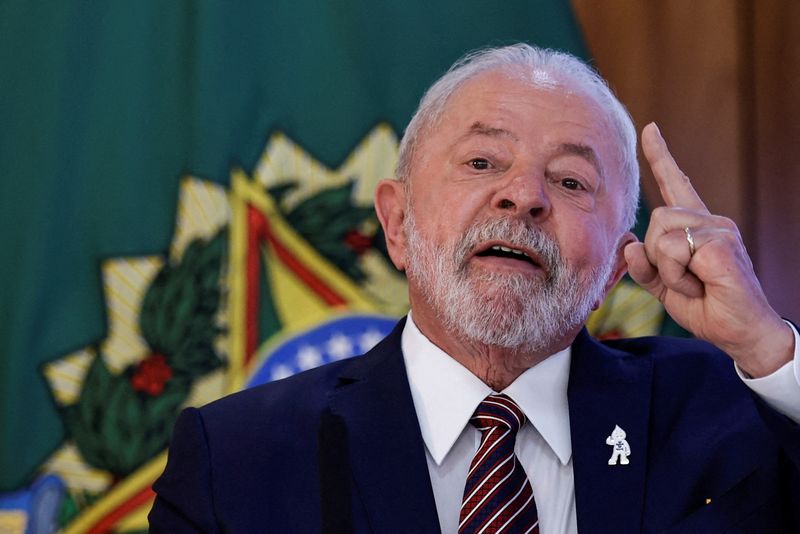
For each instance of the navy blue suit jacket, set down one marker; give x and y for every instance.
(338, 449)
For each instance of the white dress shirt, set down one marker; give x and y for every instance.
(446, 395)
(781, 389)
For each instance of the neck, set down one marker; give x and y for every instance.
(495, 366)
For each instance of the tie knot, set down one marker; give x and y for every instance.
(498, 411)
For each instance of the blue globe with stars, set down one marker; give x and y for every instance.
(333, 340)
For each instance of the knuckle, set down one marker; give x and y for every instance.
(732, 239)
(666, 245)
(659, 214)
(727, 223)
(672, 275)
(721, 252)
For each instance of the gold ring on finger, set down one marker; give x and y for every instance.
(690, 240)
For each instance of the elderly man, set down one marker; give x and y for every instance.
(489, 408)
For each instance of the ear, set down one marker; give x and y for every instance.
(620, 265)
(390, 205)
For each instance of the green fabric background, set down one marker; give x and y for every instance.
(103, 105)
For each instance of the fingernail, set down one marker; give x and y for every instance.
(656, 127)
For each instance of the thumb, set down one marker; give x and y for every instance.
(640, 268)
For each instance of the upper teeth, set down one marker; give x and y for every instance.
(506, 249)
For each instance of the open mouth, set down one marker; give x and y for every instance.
(504, 251)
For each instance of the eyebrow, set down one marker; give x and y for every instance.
(479, 128)
(576, 149)
(582, 151)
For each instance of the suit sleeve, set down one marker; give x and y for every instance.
(184, 495)
(778, 403)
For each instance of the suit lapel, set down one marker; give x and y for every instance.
(608, 388)
(386, 450)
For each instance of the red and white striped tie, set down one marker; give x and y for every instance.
(498, 495)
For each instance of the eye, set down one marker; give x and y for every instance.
(572, 183)
(479, 164)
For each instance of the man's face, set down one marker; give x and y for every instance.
(512, 219)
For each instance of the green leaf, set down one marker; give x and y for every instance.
(180, 307)
(325, 219)
(118, 429)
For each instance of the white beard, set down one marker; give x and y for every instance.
(509, 310)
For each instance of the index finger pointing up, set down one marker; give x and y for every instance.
(676, 189)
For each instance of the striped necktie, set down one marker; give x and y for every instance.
(498, 496)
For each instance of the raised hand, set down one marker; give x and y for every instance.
(696, 264)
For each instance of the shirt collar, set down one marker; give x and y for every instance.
(446, 395)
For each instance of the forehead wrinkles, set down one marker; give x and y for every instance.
(439, 109)
(525, 90)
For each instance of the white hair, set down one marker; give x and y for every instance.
(542, 68)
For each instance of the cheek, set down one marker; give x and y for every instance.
(583, 246)
(446, 215)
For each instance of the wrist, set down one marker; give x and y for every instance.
(772, 350)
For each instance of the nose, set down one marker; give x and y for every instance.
(523, 196)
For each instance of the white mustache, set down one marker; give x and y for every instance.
(517, 234)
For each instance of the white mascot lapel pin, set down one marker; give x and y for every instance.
(619, 446)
